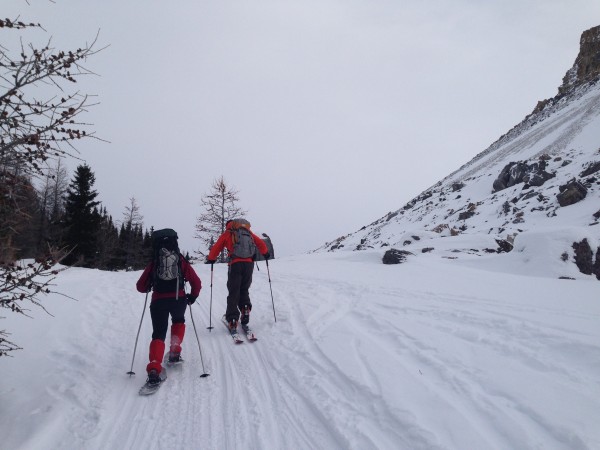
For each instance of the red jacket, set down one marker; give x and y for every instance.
(226, 241)
(189, 275)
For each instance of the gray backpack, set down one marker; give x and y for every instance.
(243, 244)
(167, 276)
(167, 267)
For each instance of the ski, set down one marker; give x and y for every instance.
(168, 363)
(149, 389)
(233, 333)
(250, 335)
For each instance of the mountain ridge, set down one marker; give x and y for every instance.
(543, 173)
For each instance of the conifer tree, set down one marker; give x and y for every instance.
(82, 219)
(108, 243)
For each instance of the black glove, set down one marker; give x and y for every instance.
(210, 261)
(191, 298)
(267, 255)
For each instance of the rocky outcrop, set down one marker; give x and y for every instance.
(587, 64)
(571, 193)
(591, 168)
(584, 258)
(533, 174)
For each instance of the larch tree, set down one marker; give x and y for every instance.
(219, 205)
(52, 206)
(132, 234)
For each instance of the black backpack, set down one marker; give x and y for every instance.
(167, 275)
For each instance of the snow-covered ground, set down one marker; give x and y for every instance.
(435, 353)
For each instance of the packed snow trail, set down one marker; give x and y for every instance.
(425, 355)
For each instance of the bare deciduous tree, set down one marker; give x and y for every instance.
(132, 224)
(22, 283)
(34, 129)
(219, 205)
(132, 216)
(52, 203)
(39, 121)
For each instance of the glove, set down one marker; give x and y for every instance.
(267, 255)
(210, 261)
(190, 298)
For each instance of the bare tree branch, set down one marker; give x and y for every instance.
(34, 130)
(39, 121)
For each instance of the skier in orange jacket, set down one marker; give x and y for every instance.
(241, 267)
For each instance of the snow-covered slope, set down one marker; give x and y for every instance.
(435, 354)
(563, 140)
(475, 344)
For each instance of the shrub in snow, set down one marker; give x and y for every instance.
(503, 246)
(394, 256)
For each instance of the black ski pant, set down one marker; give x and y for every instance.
(159, 312)
(239, 280)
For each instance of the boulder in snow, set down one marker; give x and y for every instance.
(571, 193)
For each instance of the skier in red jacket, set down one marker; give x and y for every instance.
(241, 267)
(168, 298)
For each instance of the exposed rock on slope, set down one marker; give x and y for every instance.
(587, 64)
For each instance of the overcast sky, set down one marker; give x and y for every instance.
(323, 114)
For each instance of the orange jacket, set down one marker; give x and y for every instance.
(226, 241)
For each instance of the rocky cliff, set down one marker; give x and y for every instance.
(587, 64)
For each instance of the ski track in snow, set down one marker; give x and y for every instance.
(347, 365)
(509, 331)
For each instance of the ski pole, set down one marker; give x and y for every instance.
(199, 347)
(131, 372)
(210, 327)
(270, 287)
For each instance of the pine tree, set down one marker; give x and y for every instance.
(82, 219)
(108, 243)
